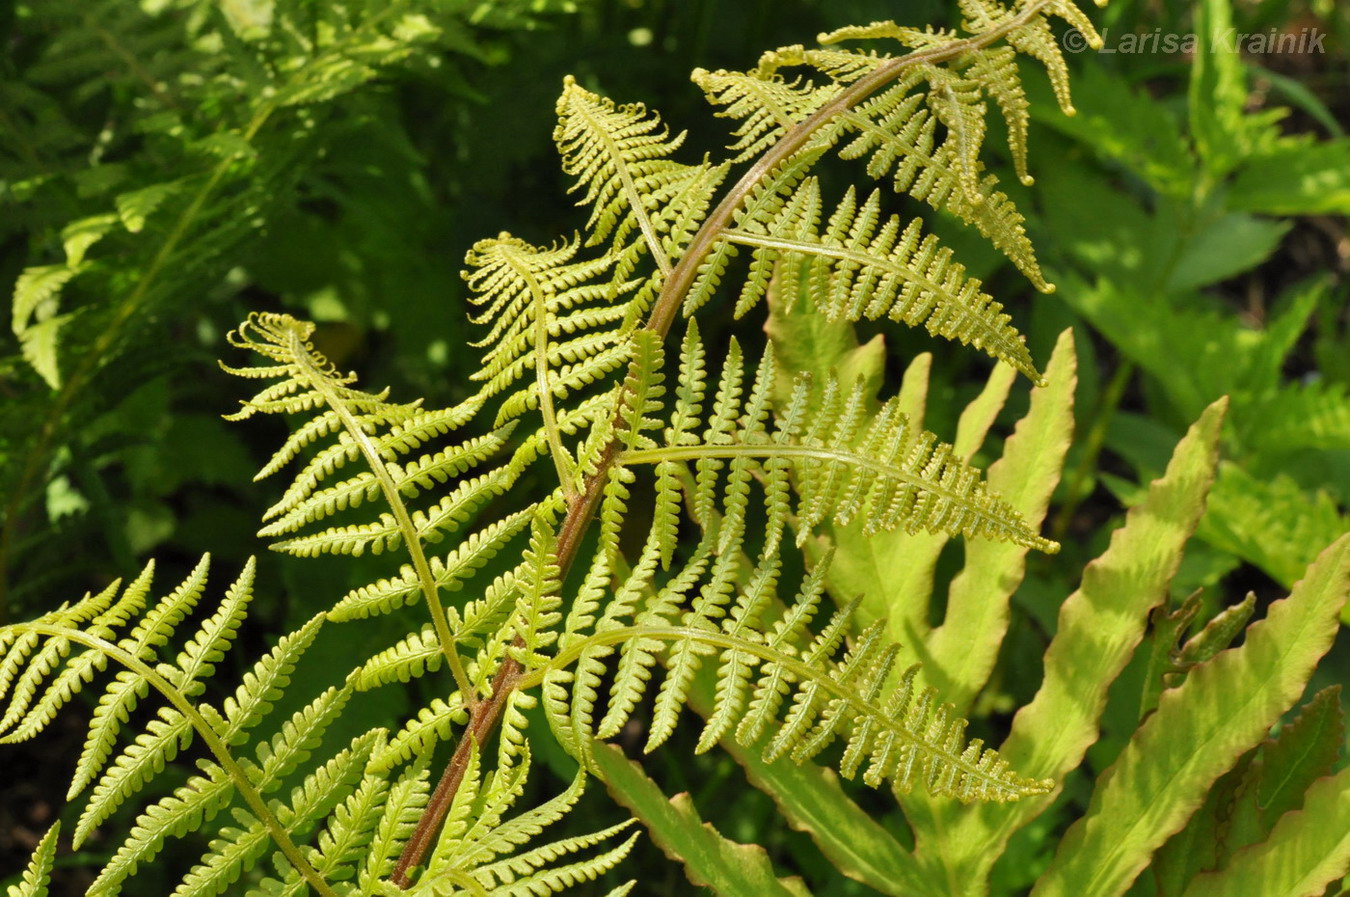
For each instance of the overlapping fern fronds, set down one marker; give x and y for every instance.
(365, 817)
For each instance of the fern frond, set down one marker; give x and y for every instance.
(862, 268)
(37, 876)
(793, 692)
(876, 468)
(620, 157)
(402, 808)
(479, 851)
(385, 435)
(926, 129)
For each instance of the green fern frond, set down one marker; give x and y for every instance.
(926, 129)
(135, 633)
(385, 435)
(620, 157)
(849, 464)
(402, 808)
(37, 876)
(479, 851)
(861, 268)
(791, 691)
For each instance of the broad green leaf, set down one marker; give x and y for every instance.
(1100, 625)
(1218, 89)
(710, 860)
(962, 651)
(1303, 179)
(1303, 751)
(1306, 851)
(1199, 730)
(1224, 247)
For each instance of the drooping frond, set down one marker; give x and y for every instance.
(481, 852)
(849, 464)
(387, 437)
(783, 685)
(860, 266)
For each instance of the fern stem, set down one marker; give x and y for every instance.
(481, 723)
(677, 284)
(319, 380)
(208, 735)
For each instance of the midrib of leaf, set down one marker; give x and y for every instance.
(562, 461)
(209, 737)
(319, 379)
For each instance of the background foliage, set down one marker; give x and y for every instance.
(164, 170)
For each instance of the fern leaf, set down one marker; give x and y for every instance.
(398, 819)
(877, 469)
(173, 816)
(143, 759)
(473, 551)
(859, 270)
(619, 156)
(298, 737)
(37, 876)
(265, 682)
(892, 731)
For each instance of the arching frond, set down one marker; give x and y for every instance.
(860, 266)
(61, 651)
(783, 685)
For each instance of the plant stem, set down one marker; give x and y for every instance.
(581, 509)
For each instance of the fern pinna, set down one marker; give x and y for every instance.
(575, 364)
